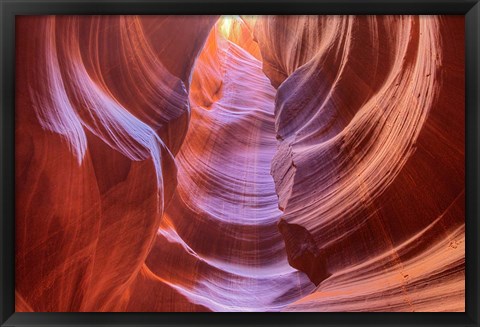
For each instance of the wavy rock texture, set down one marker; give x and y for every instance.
(370, 162)
(101, 117)
(296, 163)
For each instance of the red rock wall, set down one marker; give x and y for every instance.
(302, 163)
(370, 162)
(99, 118)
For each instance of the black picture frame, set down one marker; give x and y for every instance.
(10, 8)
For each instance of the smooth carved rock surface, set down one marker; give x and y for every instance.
(371, 153)
(271, 163)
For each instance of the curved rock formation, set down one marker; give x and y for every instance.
(371, 152)
(99, 119)
(225, 208)
(297, 163)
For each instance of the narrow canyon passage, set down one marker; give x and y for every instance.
(245, 163)
(225, 209)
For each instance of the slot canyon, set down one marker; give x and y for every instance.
(239, 163)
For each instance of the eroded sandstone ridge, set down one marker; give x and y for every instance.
(204, 163)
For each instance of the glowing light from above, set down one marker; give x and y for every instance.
(226, 24)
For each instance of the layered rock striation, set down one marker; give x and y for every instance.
(205, 163)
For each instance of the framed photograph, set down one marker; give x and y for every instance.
(239, 163)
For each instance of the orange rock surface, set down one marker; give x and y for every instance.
(240, 163)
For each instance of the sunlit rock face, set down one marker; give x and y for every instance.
(370, 162)
(293, 163)
(102, 111)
